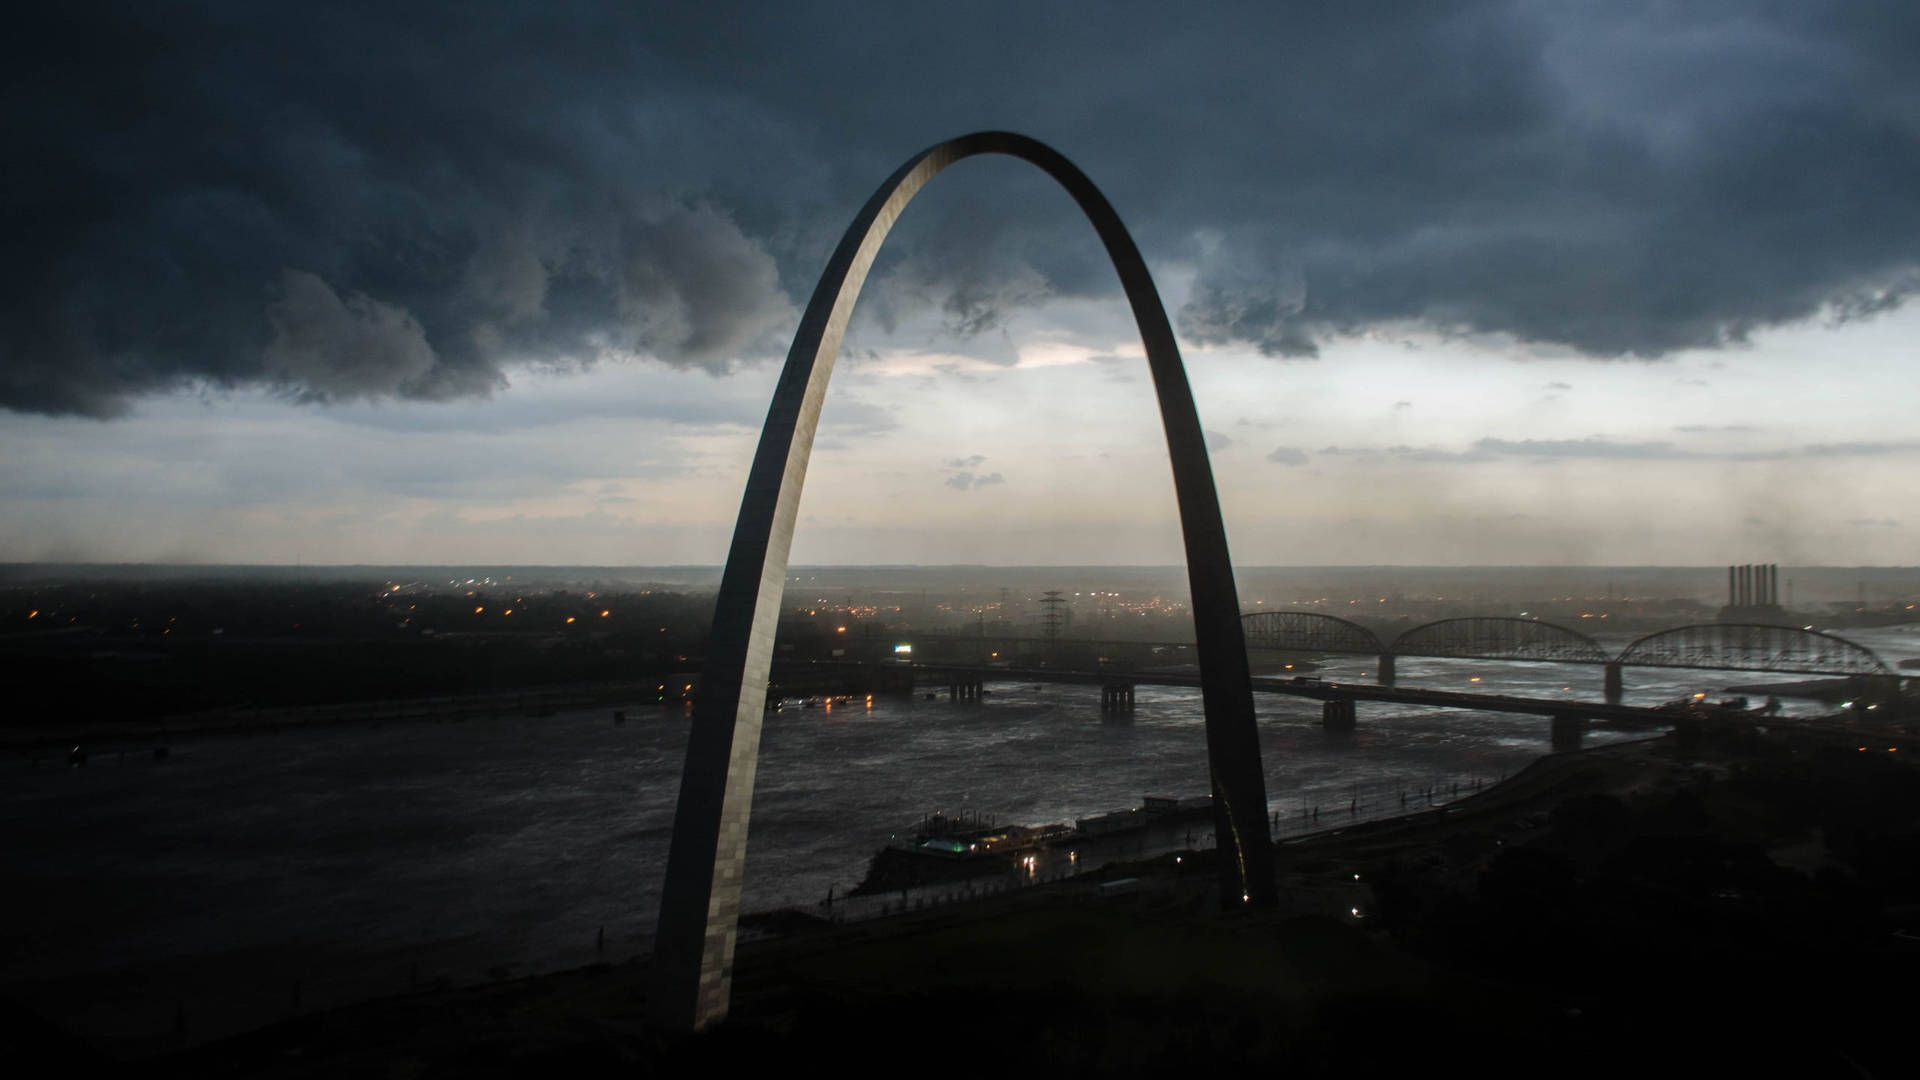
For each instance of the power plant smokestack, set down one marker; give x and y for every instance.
(1753, 585)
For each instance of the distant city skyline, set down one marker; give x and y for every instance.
(1499, 284)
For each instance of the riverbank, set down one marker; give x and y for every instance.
(1725, 901)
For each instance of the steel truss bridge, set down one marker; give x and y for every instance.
(1568, 719)
(1725, 646)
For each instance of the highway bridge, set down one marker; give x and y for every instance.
(1716, 646)
(1569, 718)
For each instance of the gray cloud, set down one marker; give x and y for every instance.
(1860, 449)
(1492, 449)
(1287, 455)
(1217, 441)
(1598, 447)
(231, 194)
(969, 462)
(845, 417)
(966, 480)
(1576, 448)
(507, 413)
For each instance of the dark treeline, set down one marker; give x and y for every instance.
(104, 652)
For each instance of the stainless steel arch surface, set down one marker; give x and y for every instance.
(699, 908)
(1753, 647)
(1309, 631)
(1498, 638)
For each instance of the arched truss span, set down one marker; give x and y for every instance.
(1491, 638)
(1753, 647)
(699, 907)
(1308, 631)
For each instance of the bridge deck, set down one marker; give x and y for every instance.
(1313, 688)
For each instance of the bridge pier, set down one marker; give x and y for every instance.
(964, 688)
(1386, 669)
(1337, 714)
(1615, 685)
(1116, 697)
(1568, 731)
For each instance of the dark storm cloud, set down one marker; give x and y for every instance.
(353, 202)
(356, 203)
(1626, 179)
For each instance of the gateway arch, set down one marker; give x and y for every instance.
(700, 902)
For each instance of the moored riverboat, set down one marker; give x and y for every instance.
(943, 849)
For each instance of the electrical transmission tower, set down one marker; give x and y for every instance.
(1052, 617)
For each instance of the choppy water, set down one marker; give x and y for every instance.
(243, 874)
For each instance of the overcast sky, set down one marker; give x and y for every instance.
(1455, 282)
